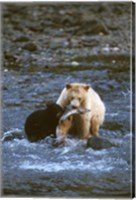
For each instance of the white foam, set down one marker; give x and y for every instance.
(96, 166)
(97, 152)
(12, 131)
(112, 114)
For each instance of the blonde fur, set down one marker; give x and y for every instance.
(77, 94)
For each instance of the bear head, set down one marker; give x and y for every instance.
(77, 94)
(54, 110)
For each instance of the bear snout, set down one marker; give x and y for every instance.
(75, 103)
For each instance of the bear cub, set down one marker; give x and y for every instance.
(42, 123)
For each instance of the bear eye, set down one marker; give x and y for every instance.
(58, 114)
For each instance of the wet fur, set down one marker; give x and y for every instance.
(83, 95)
(42, 123)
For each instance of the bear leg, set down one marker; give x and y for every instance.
(95, 126)
(85, 128)
(63, 128)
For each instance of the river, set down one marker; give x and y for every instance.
(43, 50)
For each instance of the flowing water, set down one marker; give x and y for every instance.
(73, 170)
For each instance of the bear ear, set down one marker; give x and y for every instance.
(49, 103)
(86, 87)
(68, 86)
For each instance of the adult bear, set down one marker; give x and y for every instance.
(82, 95)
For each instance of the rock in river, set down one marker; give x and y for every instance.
(99, 143)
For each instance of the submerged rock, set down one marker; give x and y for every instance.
(99, 143)
(30, 47)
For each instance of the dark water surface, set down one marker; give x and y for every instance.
(35, 74)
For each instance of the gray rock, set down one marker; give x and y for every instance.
(30, 47)
(21, 39)
(99, 143)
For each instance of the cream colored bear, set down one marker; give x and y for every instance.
(82, 95)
